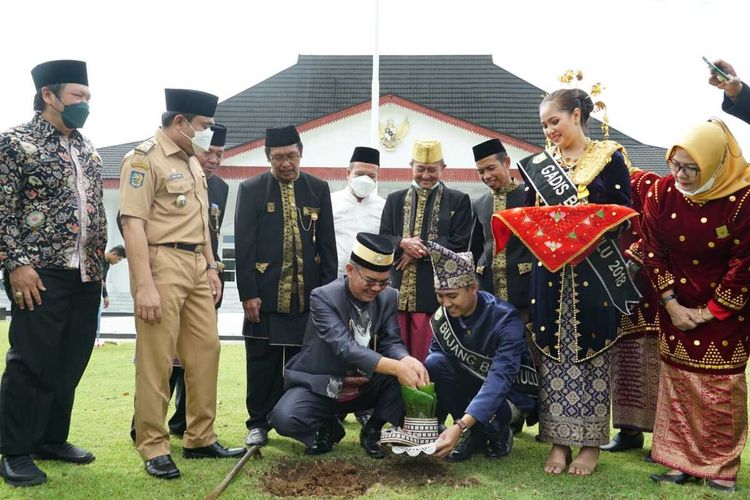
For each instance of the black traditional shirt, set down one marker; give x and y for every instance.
(51, 209)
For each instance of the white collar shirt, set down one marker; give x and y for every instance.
(350, 216)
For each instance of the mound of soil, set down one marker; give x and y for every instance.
(338, 478)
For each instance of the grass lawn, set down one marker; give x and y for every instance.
(104, 406)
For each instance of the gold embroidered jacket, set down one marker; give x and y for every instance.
(453, 231)
(595, 319)
(507, 274)
(277, 258)
(702, 252)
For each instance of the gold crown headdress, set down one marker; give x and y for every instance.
(596, 90)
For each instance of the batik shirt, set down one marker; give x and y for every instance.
(51, 210)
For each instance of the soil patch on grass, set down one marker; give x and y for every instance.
(339, 478)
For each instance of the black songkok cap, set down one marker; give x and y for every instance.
(191, 101)
(366, 155)
(284, 136)
(63, 71)
(220, 135)
(373, 251)
(487, 148)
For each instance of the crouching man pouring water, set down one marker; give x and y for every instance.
(352, 357)
(479, 361)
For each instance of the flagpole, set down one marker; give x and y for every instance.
(375, 91)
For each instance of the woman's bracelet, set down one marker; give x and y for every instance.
(700, 313)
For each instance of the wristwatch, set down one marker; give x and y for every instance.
(461, 425)
(218, 266)
(663, 301)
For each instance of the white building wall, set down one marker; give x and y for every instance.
(332, 144)
(117, 278)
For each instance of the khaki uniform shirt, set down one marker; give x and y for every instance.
(162, 185)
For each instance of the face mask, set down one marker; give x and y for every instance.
(201, 140)
(74, 115)
(362, 186)
(705, 187)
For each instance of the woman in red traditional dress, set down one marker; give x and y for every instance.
(697, 251)
(635, 363)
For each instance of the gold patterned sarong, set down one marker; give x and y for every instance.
(701, 422)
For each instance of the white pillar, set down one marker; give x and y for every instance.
(375, 93)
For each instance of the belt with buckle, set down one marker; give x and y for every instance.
(188, 247)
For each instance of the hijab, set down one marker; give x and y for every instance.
(714, 149)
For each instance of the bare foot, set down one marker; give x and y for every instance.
(558, 459)
(585, 462)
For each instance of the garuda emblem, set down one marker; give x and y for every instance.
(391, 134)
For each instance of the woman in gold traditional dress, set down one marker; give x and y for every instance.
(573, 325)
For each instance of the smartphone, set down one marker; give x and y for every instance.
(723, 77)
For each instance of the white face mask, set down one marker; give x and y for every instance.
(201, 140)
(705, 187)
(362, 186)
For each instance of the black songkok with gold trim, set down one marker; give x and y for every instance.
(373, 252)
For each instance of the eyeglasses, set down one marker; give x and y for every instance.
(291, 157)
(371, 283)
(689, 169)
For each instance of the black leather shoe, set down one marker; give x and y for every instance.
(471, 441)
(213, 450)
(648, 458)
(680, 478)
(330, 433)
(368, 439)
(720, 487)
(64, 452)
(517, 426)
(162, 467)
(362, 417)
(132, 429)
(622, 442)
(20, 470)
(175, 431)
(258, 436)
(498, 444)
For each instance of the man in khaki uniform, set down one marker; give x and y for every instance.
(173, 280)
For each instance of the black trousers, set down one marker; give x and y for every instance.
(49, 350)
(265, 378)
(178, 423)
(455, 388)
(300, 413)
